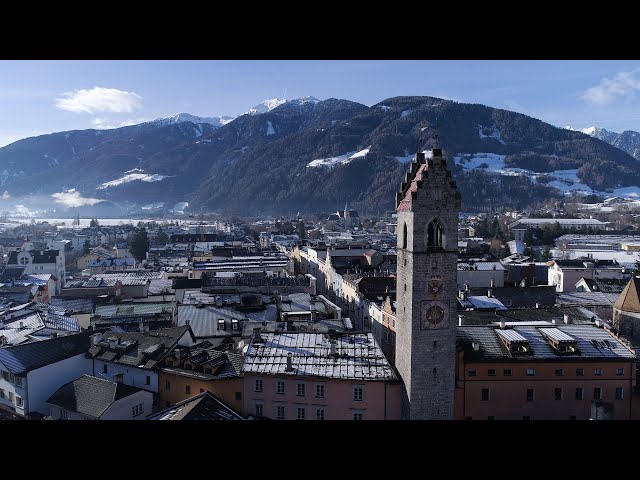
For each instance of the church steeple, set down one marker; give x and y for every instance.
(427, 204)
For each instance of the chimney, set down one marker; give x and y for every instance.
(503, 324)
(256, 336)
(537, 305)
(3, 340)
(476, 346)
(21, 325)
(493, 283)
(460, 320)
(113, 342)
(289, 362)
(187, 322)
(567, 318)
(554, 321)
(96, 338)
(599, 323)
(490, 293)
(141, 326)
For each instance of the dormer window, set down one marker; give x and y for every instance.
(516, 343)
(24, 260)
(234, 324)
(221, 324)
(560, 341)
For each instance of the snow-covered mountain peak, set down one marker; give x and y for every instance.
(266, 106)
(186, 117)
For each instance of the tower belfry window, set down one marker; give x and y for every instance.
(404, 236)
(435, 235)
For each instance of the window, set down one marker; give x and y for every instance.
(19, 400)
(579, 372)
(257, 386)
(579, 393)
(557, 393)
(148, 382)
(530, 395)
(597, 393)
(358, 393)
(234, 324)
(472, 372)
(619, 393)
(319, 390)
(11, 397)
(485, 394)
(104, 368)
(258, 409)
(506, 372)
(492, 372)
(220, 324)
(559, 372)
(531, 372)
(137, 409)
(434, 235)
(238, 395)
(18, 381)
(301, 413)
(280, 387)
(619, 371)
(167, 385)
(435, 342)
(202, 390)
(404, 236)
(5, 375)
(358, 416)
(280, 412)
(598, 371)
(319, 413)
(1, 393)
(300, 389)
(434, 371)
(187, 389)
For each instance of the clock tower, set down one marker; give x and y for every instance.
(428, 205)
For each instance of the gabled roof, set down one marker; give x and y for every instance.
(138, 349)
(21, 359)
(201, 407)
(90, 396)
(629, 299)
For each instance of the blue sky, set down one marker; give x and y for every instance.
(38, 97)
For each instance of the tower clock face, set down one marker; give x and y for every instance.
(434, 315)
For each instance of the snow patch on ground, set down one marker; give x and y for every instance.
(179, 207)
(495, 133)
(197, 130)
(153, 206)
(206, 140)
(409, 158)
(405, 113)
(386, 108)
(270, 130)
(340, 159)
(134, 175)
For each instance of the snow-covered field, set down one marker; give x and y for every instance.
(340, 159)
(135, 175)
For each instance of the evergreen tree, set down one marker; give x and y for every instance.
(302, 231)
(139, 244)
(162, 237)
(86, 247)
(94, 223)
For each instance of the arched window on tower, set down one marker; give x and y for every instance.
(435, 235)
(404, 236)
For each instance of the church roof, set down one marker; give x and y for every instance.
(629, 299)
(407, 197)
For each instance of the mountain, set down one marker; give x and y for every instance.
(311, 155)
(185, 117)
(628, 141)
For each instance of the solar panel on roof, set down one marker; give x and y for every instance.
(557, 335)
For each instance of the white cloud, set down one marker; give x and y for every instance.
(98, 99)
(608, 90)
(5, 195)
(104, 123)
(72, 198)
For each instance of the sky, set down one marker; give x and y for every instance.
(39, 97)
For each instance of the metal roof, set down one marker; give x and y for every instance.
(358, 356)
(204, 321)
(132, 308)
(556, 334)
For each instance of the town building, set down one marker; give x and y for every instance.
(204, 406)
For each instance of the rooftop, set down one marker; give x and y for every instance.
(201, 407)
(357, 356)
(90, 396)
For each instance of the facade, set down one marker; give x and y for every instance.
(564, 274)
(427, 207)
(314, 376)
(31, 372)
(544, 372)
(40, 262)
(91, 398)
(480, 274)
(626, 311)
